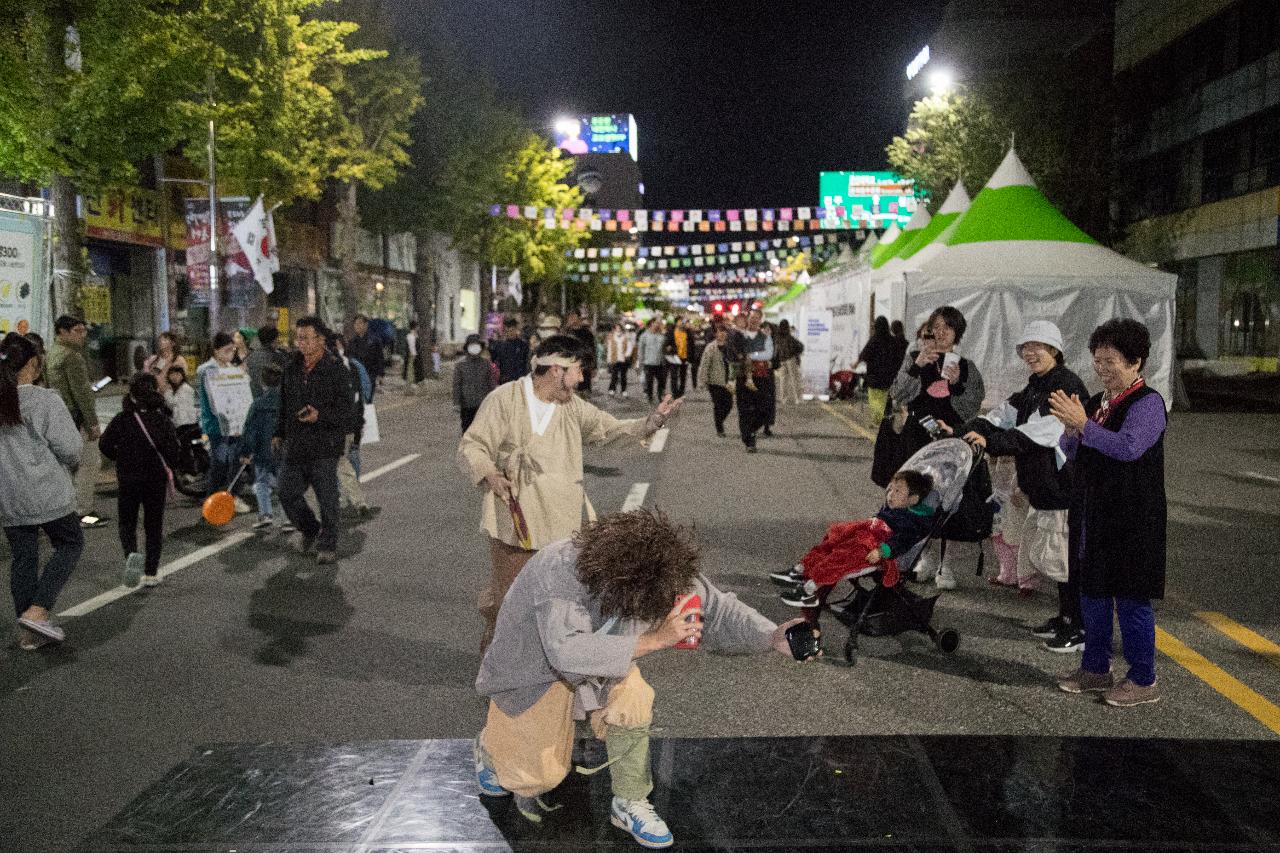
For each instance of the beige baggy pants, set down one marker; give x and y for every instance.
(533, 752)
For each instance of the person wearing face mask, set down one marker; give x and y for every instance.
(472, 380)
(1023, 427)
(524, 451)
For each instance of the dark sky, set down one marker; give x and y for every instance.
(738, 103)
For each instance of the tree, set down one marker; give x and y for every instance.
(1058, 126)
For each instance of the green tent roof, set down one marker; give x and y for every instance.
(1010, 207)
(792, 292)
(882, 252)
(925, 236)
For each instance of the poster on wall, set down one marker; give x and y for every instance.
(19, 271)
(846, 337)
(815, 361)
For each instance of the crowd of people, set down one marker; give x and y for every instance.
(300, 430)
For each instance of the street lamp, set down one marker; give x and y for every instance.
(941, 81)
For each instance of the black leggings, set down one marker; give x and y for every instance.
(721, 405)
(151, 497)
(618, 376)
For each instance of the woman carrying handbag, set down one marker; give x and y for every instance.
(142, 442)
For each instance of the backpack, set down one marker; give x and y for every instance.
(972, 519)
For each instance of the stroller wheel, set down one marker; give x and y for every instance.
(949, 640)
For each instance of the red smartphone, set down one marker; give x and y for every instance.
(694, 603)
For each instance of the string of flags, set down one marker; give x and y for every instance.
(646, 264)
(695, 249)
(701, 220)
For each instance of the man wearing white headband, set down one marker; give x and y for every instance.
(524, 450)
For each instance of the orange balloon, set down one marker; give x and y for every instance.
(219, 508)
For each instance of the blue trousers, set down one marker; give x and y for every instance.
(224, 457)
(1137, 633)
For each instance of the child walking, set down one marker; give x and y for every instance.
(142, 442)
(255, 444)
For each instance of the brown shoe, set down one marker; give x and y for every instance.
(1126, 694)
(1079, 681)
(326, 558)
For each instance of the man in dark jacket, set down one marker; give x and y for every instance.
(315, 417)
(511, 353)
(366, 348)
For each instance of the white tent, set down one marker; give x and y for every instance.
(1013, 258)
(889, 283)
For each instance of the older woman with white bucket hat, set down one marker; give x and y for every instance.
(1023, 428)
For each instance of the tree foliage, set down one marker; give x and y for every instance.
(966, 134)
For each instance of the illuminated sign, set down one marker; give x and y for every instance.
(607, 134)
(921, 60)
(877, 198)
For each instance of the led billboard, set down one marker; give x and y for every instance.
(878, 198)
(607, 134)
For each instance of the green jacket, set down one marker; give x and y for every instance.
(68, 374)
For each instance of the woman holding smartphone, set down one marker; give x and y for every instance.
(936, 389)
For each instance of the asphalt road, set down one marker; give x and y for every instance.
(248, 642)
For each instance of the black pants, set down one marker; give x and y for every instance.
(679, 377)
(618, 376)
(29, 585)
(652, 373)
(150, 497)
(721, 405)
(468, 415)
(754, 407)
(694, 361)
(322, 476)
(418, 368)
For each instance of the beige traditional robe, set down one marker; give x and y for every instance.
(546, 469)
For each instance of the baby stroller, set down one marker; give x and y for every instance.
(879, 610)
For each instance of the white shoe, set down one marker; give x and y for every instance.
(639, 818)
(132, 570)
(151, 580)
(944, 579)
(242, 507)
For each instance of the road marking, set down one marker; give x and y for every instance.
(635, 497)
(390, 466)
(858, 428)
(659, 440)
(105, 598)
(1249, 700)
(1266, 478)
(1251, 640)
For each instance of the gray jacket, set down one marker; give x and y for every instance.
(549, 629)
(650, 349)
(906, 388)
(35, 458)
(472, 381)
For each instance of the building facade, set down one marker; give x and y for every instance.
(1197, 150)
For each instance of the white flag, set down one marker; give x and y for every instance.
(256, 234)
(514, 290)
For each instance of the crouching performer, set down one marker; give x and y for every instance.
(569, 632)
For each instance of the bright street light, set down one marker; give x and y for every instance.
(567, 126)
(941, 81)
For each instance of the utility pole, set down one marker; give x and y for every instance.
(215, 298)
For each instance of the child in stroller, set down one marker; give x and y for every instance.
(887, 607)
(852, 549)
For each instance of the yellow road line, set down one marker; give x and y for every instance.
(857, 428)
(1249, 700)
(1251, 640)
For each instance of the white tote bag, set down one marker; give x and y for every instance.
(370, 435)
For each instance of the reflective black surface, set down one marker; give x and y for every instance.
(766, 795)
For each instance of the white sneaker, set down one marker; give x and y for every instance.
(151, 580)
(944, 579)
(132, 570)
(242, 507)
(638, 818)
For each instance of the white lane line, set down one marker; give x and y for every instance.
(390, 466)
(635, 497)
(1266, 478)
(103, 599)
(659, 440)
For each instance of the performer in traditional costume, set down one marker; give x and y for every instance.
(568, 634)
(524, 449)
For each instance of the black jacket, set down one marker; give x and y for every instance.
(883, 358)
(512, 358)
(124, 443)
(1046, 486)
(908, 527)
(367, 349)
(328, 388)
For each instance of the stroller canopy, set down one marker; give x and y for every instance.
(948, 461)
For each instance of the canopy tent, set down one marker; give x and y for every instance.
(887, 282)
(1013, 258)
(881, 249)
